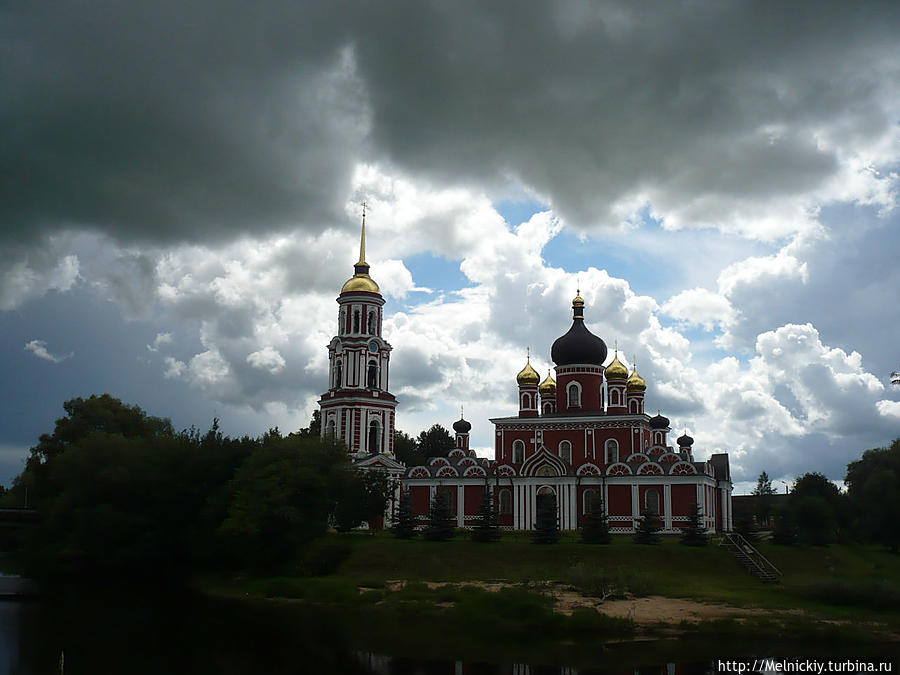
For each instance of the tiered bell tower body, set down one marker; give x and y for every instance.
(358, 407)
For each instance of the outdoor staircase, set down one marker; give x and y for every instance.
(752, 560)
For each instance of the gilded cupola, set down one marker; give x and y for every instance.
(636, 382)
(616, 371)
(528, 375)
(548, 386)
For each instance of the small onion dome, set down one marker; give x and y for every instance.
(579, 345)
(636, 382)
(461, 426)
(616, 371)
(528, 375)
(659, 421)
(685, 441)
(360, 282)
(548, 386)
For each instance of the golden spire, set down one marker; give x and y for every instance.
(362, 239)
(635, 381)
(548, 386)
(528, 375)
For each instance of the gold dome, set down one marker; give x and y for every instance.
(578, 301)
(528, 375)
(636, 382)
(548, 386)
(360, 282)
(616, 371)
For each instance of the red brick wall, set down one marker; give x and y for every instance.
(619, 500)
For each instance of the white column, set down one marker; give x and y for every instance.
(573, 506)
(460, 506)
(667, 504)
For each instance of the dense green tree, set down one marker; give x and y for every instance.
(695, 532)
(763, 502)
(785, 532)
(743, 525)
(873, 491)
(648, 527)
(406, 450)
(436, 442)
(403, 523)
(546, 526)
(486, 528)
(360, 496)
(314, 430)
(596, 523)
(816, 508)
(441, 524)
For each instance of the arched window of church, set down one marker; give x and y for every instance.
(372, 321)
(505, 501)
(565, 451)
(591, 496)
(634, 407)
(372, 378)
(614, 397)
(355, 320)
(651, 501)
(374, 436)
(526, 401)
(338, 374)
(331, 429)
(612, 451)
(341, 317)
(518, 455)
(574, 392)
(548, 408)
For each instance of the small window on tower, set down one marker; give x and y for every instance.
(565, 451)
(331, 429)
(574, 392)
(338, 374)
(371, 323)
(355, 320)
(372, 379)
(526, 401)
(614, 397)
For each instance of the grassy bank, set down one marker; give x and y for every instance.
(855, 586)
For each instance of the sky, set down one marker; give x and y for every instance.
(181, 189)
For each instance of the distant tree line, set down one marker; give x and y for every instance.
(120, 492)
(817, 513)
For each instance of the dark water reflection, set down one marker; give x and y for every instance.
(137, 633)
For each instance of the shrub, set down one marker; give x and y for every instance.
(324, 557)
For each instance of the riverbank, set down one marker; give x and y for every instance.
(513, 589)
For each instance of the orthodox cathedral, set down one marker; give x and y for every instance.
(579, 437)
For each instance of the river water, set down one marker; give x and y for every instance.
(120, 631)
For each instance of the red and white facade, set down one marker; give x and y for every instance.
(587, 437)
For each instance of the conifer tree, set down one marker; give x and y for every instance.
(695, 532)
(546, 527)
(486, 528)
(596, 524)
(648, 528)
(441, 525)
(403, 523)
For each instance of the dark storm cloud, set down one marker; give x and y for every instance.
(196, 121)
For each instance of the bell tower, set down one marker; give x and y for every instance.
(358, 407)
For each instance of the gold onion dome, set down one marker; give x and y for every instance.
(548, 386)
(361, 281)
(528, 375)
(616, 371)
(636, 382)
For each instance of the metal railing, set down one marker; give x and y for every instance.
(739, 544)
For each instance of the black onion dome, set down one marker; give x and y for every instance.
(579, 345)
(684, 440)
(659, 421)
(461, 426)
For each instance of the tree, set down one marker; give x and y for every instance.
(785, 532)
(405, 449)
(436, 442)
(743, 525)
(486, 528)
(403, 523)
(596, 523)
(314, 430)
(873, 491)
(695, 532)
(546, 526)
(815, 507)
(648, 527)
(441, 524)
(763, 493)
